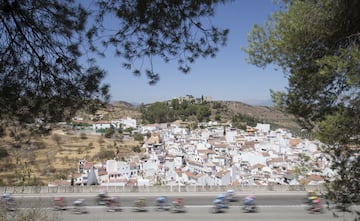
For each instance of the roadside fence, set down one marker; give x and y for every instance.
(156, 189)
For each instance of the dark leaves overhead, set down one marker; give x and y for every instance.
(317, 43)
(47, 66)
(39, 50)
(173, 29)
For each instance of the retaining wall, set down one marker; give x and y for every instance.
(155, 189)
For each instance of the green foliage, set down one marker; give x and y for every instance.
(278, 99)
(163, 28)
(243, 120)
(338, 132)
(129, 130)
(44, 77)
(44, 45)
(317, 45)
(175, 104)
(148, 134)
(217, 105)
(162, 112)
(158, 112)
(109, 132)
(218, 116)
(139, 137)
(136, 149)
(203, 113)
(316, 50)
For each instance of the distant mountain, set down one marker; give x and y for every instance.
(254, 102)
(124, 104)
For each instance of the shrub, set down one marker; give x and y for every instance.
(83, 136)
(136, 149)
(3, 152)
(107, 154)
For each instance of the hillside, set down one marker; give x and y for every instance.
(227, 111)
(120, 109)
(42, 159)
(267, 114)
(55, 156)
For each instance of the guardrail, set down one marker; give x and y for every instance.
(155, 189)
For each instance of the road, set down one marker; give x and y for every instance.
(275, 206)
(275, 213)
(191, 199)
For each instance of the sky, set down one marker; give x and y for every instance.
(226, 77)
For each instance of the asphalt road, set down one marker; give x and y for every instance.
(275, 213)
(190, 199)
(272, 207)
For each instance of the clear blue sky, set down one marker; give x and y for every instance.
(226, 77)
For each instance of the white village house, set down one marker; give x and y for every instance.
(210, 156)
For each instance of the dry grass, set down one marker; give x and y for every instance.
(59, 157)
(56, 155)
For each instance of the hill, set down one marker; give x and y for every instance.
(55, 156)
(263, 113)
(226, 109)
